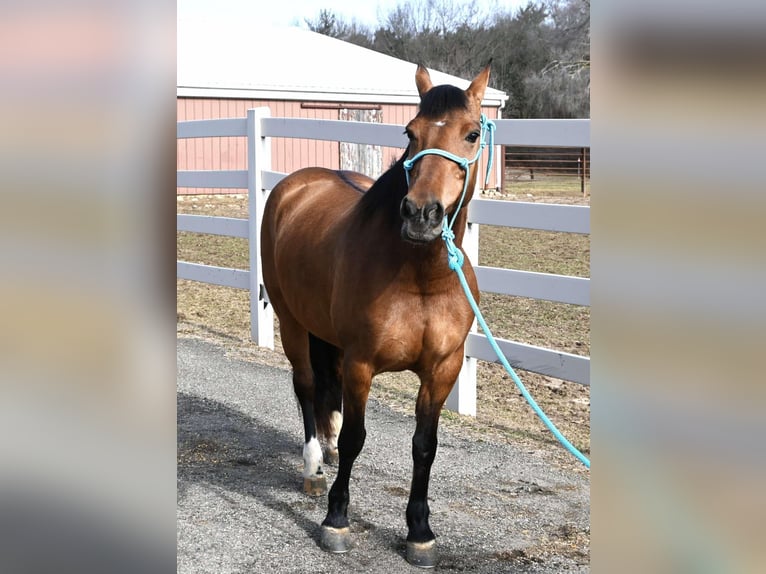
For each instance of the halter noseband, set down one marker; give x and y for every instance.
(487, 126)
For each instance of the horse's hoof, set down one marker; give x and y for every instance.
(335, 540)
(422, 554)
(331, 457)
(315, 485)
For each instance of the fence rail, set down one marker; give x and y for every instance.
(258, 179)
(542, 216)
(229, 226)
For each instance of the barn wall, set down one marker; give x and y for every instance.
(287, 154)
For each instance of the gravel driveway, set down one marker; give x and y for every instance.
(494, 508)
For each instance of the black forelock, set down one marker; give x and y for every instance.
(441, 99)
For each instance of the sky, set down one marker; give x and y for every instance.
(294, 12)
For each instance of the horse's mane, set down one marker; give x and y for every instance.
(386, 194)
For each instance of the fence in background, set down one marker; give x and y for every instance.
(556, 167)
(258, 179)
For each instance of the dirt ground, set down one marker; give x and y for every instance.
(496, 506)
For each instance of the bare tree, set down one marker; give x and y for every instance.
(447, 35)
(562, 87)
(330, 24)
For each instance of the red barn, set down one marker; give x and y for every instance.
(226, 69)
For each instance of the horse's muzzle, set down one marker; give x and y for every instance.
(421, 224)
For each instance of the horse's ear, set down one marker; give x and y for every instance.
(422, 80)
(476, 90)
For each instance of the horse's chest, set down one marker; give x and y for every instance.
(426, 330)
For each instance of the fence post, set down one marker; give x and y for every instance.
(462, 399)
(258, 159)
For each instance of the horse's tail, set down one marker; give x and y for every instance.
(328, 394)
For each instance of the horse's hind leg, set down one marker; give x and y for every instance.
(295, 341)
(326, 364)
(331, 454)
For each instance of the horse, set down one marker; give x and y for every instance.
(360, 282)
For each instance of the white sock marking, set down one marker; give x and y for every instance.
(336, 422)
(312, 458)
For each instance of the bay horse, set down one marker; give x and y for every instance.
(360, 282)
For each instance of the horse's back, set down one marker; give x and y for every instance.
(314, 194)
(335, 181)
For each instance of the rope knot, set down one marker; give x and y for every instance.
(455, 257)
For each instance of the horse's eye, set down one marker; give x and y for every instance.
(472, 137)
(409, 134)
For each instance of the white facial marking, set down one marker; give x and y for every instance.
(312, 458)
(440, 124)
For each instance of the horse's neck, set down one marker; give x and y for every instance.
(460, 223)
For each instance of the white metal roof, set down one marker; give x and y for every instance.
(242, 60)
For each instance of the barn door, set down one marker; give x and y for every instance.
(366, 159)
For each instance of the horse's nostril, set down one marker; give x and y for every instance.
(434, 212)
(408, 209)
(431, 214)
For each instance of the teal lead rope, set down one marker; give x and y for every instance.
(455, 259)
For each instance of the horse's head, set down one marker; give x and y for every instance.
(442, 159)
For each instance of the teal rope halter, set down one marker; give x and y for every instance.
(455, 260)
(487, 126)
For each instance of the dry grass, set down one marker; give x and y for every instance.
(548, 185)
(222, 314)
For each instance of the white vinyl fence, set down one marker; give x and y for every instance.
(258, 180)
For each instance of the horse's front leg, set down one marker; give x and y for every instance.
(434, 389)
(357, 377)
